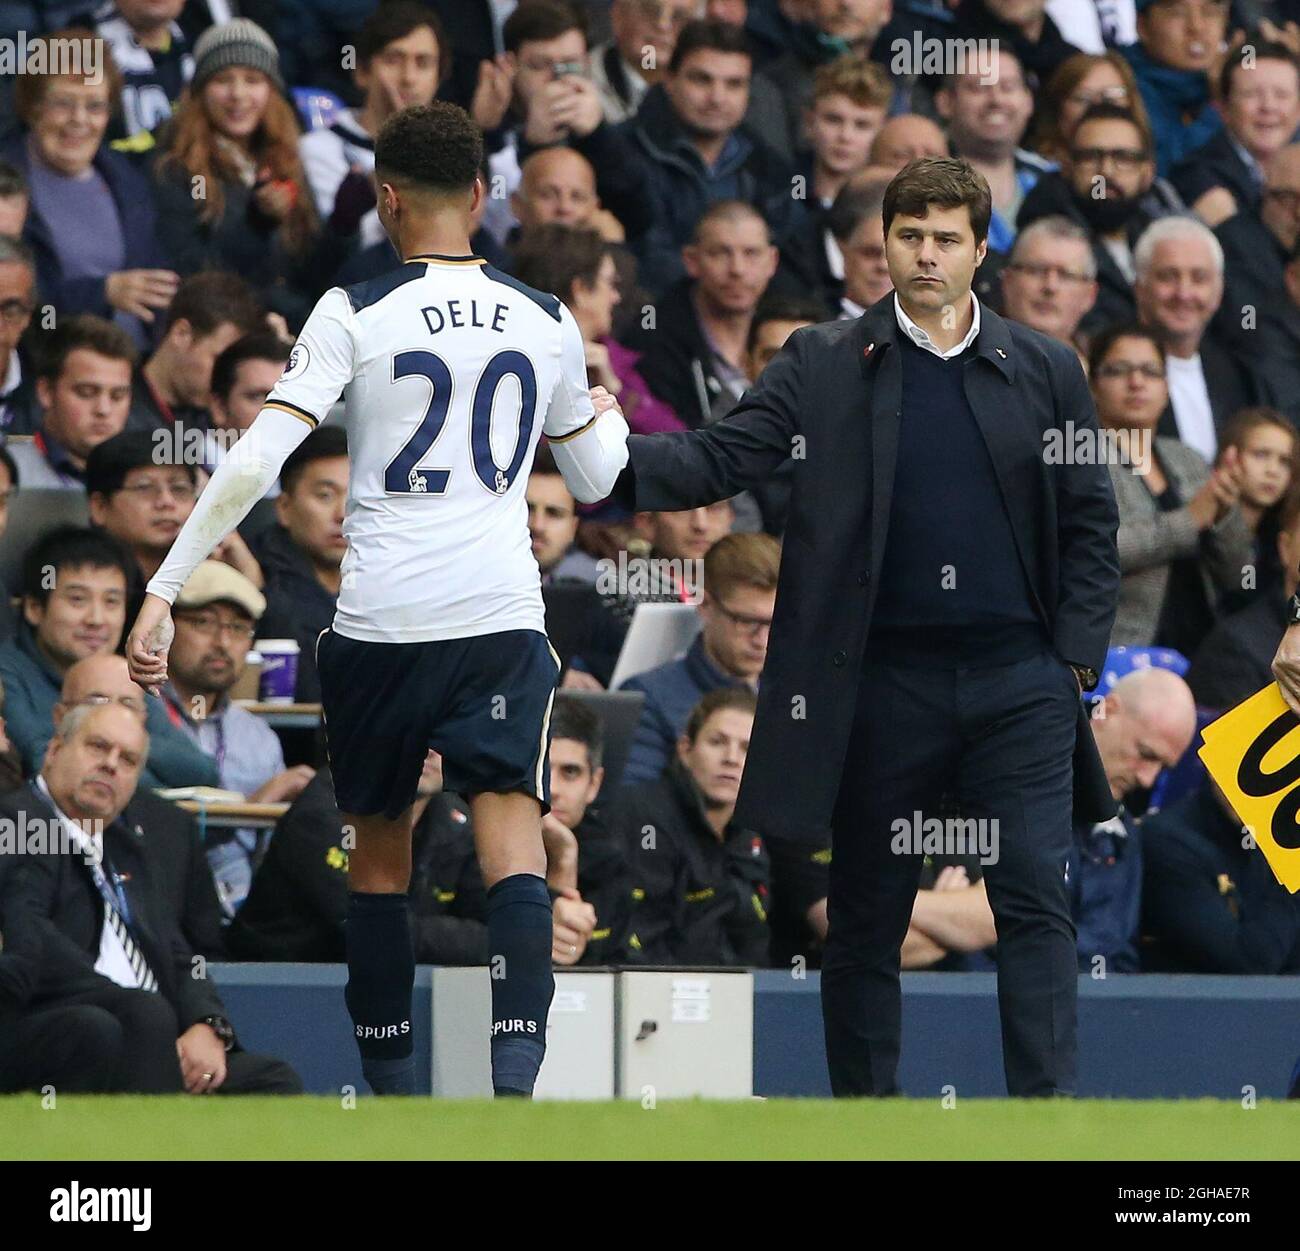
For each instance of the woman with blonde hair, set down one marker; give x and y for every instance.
(231, 189)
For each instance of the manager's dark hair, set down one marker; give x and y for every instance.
(324, 443)
(110, 461)
(944, 182)
(433, 147)
(573, 719)
(71, 547)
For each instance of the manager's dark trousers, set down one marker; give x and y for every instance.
(1000, 741)
(105, 1038)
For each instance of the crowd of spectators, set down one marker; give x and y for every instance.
(696, 180)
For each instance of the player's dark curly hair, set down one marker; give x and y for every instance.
(433, 146)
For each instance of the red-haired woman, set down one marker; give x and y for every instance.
(231, 189)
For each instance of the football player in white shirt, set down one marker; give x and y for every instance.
(450, 373)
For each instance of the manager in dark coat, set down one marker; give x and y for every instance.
(947, 585)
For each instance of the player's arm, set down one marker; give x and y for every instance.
(589, 441)
(695, 468)
(321, 365)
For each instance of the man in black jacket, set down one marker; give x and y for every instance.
(953, 656)
(90, 926)
(701, 880)
(298, 903)
(1209, 903)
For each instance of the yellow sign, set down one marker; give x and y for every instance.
(1253, 753)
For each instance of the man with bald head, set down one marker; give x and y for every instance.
(558, 185)
(904, 138)
(1142, 726)
(88, 921)
(169, 835)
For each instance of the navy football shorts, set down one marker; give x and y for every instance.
(483, 702)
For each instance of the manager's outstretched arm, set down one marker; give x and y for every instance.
(695, 468)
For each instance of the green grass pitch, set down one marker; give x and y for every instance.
(317, 1128)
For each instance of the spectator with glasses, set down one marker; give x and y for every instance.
(141, 495)
(174, 385)
(736, 608)
(18, 406)
(1182, 538)
(1050, 282)
(1080, 82)
(92, 222)
(216, 618)
(1105, 184)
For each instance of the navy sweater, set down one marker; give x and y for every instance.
(952, 589)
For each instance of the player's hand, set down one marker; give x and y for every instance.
(203, 1059)
(140, 291)
(1286, 667)
(561, 854)
(492, 92)
(284, 787)
(150, 640)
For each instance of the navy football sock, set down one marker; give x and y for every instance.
(519, 944)
(381, 972)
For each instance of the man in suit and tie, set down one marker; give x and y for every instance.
(947, 587)
(86, 926)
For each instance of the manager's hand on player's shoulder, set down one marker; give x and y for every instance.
(149, 643)
(1286, 667)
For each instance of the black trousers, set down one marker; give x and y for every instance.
(105, 1038)
(1000, 741)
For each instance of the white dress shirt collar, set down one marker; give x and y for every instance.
(923, 340)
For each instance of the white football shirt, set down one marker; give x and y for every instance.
(450, 372)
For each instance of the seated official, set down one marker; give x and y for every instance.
(701, 884)
(215, 617)
(302, 555)
(90, 926)
(739, 597)
(83, 387)
(1210, 904)
(74, 605)
(1143, 725)
(298, 902)
(1236, 659)
(603, 880)
(172, 846)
